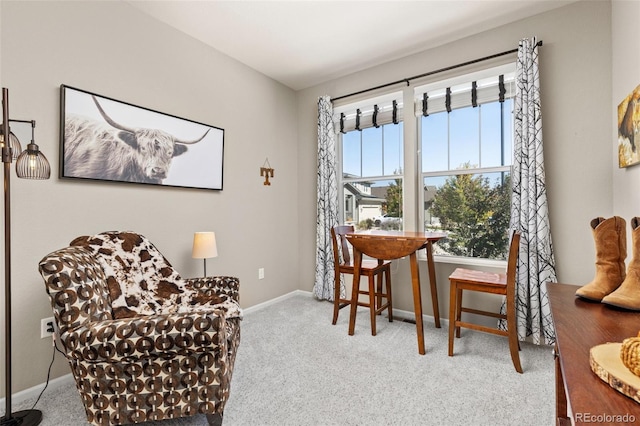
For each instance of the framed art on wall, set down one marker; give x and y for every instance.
(109, 140)
(629, 129)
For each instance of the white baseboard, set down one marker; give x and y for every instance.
(33, 392)
(411, 316)
(397, 313)
(263, 305)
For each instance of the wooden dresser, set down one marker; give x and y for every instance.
(579, 326)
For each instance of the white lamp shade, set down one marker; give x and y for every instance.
(204, 245)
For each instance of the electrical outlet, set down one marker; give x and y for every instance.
(261, 273)
(47, 327)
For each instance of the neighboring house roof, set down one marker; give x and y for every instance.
(362, 197)
(379, 191)
(430, 192)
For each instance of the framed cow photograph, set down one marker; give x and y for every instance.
(109, 140)
(629, 129)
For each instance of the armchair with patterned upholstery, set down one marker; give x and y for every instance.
(143, 343)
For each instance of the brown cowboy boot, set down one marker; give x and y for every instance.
(611, 249)
(627, 296)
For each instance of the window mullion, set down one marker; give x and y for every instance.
(361, 154)
(382, 137)
(502, 133)
(449, 141)
(479, 135)
(339, 177)
(477, 171)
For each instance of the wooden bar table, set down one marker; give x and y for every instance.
(579, 326)
(390, 245)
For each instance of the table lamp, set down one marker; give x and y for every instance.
(204, 247)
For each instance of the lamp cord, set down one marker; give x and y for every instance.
(53, 357)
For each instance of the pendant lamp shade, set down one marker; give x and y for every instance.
(31, 164)
(14, 144)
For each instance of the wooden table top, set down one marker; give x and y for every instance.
(579, 326)
(395, 244)
(433, 236)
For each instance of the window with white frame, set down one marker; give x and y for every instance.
(466, 139)
(371, 155)
(462, 161)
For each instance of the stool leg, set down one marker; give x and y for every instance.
(387, 274)
(458, 309)
(379, 291)
(336, 298)
(372, 304)
(452, 314)
(514, 345)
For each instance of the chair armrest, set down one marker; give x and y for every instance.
(217, 285)
(149, 336)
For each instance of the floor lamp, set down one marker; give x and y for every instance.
(30, 164)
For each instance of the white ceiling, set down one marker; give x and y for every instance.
(303, 43)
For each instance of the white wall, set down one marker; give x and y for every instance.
(112, 49)
(575, 68)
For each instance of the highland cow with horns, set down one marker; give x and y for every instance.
(111, 151)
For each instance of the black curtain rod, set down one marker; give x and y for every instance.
(408, 79)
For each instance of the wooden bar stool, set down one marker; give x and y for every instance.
(370, 268)
(486, 282)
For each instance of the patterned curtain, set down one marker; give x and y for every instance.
(327, 214)
(529, 209)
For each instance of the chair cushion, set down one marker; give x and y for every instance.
(142, 282)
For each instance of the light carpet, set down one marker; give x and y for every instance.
(294, 368)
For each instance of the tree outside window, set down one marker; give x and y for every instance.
(475, 210)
